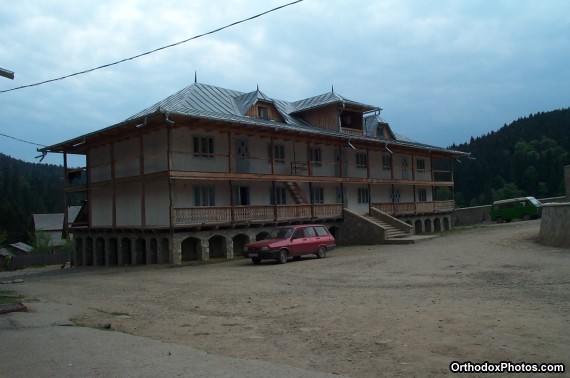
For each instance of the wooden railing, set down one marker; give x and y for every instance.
(195, 216)
(347, 130)
(415, 207)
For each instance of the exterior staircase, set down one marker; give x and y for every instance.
(391, 232)
(296, 192)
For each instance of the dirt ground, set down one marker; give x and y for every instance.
(485, 293)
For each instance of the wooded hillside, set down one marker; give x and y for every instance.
(26, 189)
(524, 158)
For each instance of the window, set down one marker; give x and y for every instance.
(321, 231)
(203, 147)
(279, 153)
(363, 195)
(361, 160)
(263, 112)
(317, 195)
(310, 232)
(315, 156)
(387, 162)
(421, 165)
(204, 196)
(279, 196)
(422, 195)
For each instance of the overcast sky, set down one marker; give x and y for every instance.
(443, 70)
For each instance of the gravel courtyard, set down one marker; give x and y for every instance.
(485, 293)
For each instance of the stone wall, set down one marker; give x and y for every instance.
(471, 215)
(555, 224)
(356, 230)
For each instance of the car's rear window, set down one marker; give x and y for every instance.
(321, 231)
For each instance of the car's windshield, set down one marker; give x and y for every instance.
(280, 233)
(534, 201)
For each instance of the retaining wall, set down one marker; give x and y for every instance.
(555, 225)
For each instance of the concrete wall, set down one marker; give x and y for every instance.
(567, 180)
(555, 224)
(357, 230)
(473, 215)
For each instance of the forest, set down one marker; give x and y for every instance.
(524, 158)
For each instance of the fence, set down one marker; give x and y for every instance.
(33, 259)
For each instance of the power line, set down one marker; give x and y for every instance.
(21, 140)
(155, 50)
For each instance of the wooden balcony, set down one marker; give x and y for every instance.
(411, 208)
(235, 215)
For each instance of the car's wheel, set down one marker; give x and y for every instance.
(256, 260)
(499, 220)
(526, 217)
(322, 252)
(282, 257)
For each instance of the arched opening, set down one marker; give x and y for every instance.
(437, 225)
(446, 225)
(428, 225)
(140, 251)
(153, 256)
(113, 252)
(239, 241)
(89, 252)
(262, 235)
(126, 251)
(334, 231)
(99, 252)
(418, 226)
(217, 247)
(191, 249)
(78, 260)
(164, 252)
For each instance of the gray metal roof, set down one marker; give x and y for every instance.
(214, 103)
(211, 99)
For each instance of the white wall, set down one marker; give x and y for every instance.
(100, 163)
(155, 146)
(127, 158)
(128, 202)
(157, 203)
(101, 207)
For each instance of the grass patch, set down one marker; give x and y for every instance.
(7, 296)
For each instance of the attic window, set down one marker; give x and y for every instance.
(380, 131)
(263, 112)
(351, 120)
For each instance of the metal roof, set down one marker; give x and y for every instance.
(214, 103)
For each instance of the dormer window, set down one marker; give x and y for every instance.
(380, 132)
(263, 112)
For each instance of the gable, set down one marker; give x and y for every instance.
(264, 110)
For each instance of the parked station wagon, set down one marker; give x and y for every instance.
(291, 241)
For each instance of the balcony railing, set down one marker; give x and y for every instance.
(407, 208)
(219, 215)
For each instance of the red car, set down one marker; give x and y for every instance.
(291, 241)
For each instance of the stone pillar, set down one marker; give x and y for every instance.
(229, 248)
(205, 250)
(176, 251)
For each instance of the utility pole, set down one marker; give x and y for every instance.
(6, 73)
